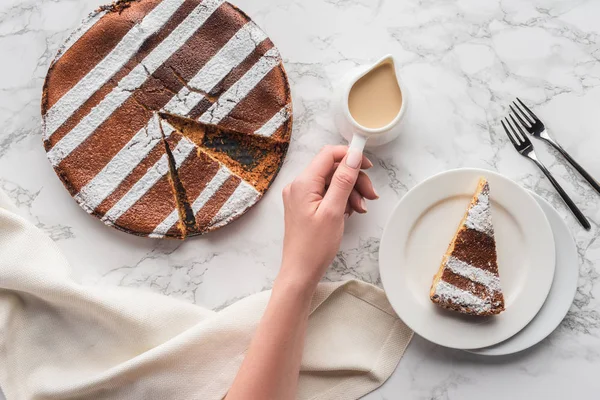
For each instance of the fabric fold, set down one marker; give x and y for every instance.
(63, 340)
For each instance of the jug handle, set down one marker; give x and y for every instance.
(358, 142)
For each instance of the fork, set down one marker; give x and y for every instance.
(523, 145)
(534, 126)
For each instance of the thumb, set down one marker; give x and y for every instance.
(342, 182)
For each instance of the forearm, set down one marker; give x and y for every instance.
(315, 206)
(271, 367)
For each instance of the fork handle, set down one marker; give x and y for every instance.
(593, 183)
(574, 209)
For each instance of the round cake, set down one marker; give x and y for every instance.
(167, 118)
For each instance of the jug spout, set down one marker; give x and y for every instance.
(387, 59)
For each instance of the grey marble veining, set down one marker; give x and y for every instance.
(462, 61)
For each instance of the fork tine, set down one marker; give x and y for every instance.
(523, 135)
(525, 115)
(518, 115)
(510, 136)
(535, 118)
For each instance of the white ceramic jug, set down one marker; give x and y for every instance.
(360, 136)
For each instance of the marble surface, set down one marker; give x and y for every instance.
(463, 61)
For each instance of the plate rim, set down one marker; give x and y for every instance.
(490, 351)
(383, 247)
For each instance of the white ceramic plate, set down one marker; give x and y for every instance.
(417, 236)
(560, 298)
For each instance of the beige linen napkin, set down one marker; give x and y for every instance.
(63, 340)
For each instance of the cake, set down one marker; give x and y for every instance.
(468, 280)
(167, 118)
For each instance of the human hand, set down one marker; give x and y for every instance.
(316, 206)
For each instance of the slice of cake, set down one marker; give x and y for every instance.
(237, 169)
(468, 280)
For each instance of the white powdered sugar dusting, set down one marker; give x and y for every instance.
(478, 275)
(211, 188)
(122, 164)
(153, 175)
(449, 293)
(85, 26)
(114, 173)
(106, 68)
(229, 57)
(126, 86)
(271, 126)
(239, 90)
(232, 54)
(162, 228)
(241, 199)
(479, 217)
(219, 110)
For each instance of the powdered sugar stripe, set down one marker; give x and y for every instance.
(239, 90)
(85, 26)
(481, 276)
(479, 217)
(121, 165)
(157, 171)
(461, 298)
(183, 103)
(211, 188)
(243, 196)
(110, 65)
(133, 81)
(231, 97)
(229, 57)
(271, 126)
(153, 175)
(162, 228)
(220, 110)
